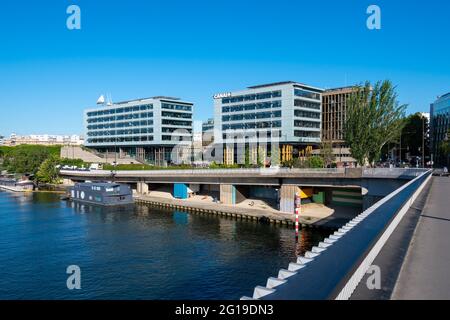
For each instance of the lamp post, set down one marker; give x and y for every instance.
(423, 141)
(401, 134)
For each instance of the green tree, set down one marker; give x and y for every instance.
(326, 152)
(303, 163)
(416, 128)
(247, 157)
(48, 171)
(445, 148)
(374, 118)
(275, 155)
(314, 162)
(26, 158)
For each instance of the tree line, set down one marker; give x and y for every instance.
(40, 162)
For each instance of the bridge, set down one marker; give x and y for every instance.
(234, 185)
(334, 268)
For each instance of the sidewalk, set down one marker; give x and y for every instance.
(425, 271)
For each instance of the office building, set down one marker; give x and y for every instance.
(439, 127)
(334, 115)
(286, 112)
(146, 129)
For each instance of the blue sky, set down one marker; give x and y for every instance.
(193, 49)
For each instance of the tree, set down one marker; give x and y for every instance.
(445, 148)
(314, 162)
(48, 171)
(374, 118)
(416, 128)
(26, 158)
(326, 152)
(308, 162)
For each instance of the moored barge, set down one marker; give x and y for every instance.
(15, 185)
(101, 193)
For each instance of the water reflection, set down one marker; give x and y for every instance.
(136, 252)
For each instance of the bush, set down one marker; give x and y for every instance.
(215, 165)
(73, 162)
(48, 172)
(309, 162)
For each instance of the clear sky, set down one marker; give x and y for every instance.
(193, 49)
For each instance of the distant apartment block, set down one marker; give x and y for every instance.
(289, 112)
(43, 139)
(439, 126)
(146, 129)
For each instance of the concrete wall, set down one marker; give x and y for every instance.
(227, 194)
(242, 193)
(287, 197)
(142, 188)
(382, 187)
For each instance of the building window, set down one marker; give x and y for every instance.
(179, 107)
(307, 104)
(307, 94)
(252, 106)
(176, 122)
(306, 114)
(176, 114)
(306, 124)
(306, 134)
(251, 97)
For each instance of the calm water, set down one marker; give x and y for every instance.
(138, 253)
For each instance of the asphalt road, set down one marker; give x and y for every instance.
(425, 273)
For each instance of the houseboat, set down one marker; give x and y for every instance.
(101, 193)
(15, 185)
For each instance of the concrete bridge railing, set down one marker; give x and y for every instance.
(257, 172)
(392, 172)
(333, 268)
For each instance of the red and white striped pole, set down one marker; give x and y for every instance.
(297, 213)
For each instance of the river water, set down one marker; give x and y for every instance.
(135, 253)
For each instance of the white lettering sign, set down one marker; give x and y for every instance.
(222, 95)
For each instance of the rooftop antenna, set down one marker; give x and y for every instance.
(109, 103)
(101, 100)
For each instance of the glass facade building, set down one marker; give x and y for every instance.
(439, 126)
(146, 129)
(287, 112)
(288, 109)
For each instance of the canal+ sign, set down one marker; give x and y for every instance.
(222, 95)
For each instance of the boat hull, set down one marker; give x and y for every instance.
(103, 194)
(15, 189)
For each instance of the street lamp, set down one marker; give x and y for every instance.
(423, 141)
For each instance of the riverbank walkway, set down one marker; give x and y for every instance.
(425, 270)
(333, 221)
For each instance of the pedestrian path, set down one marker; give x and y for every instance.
(425, 271)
